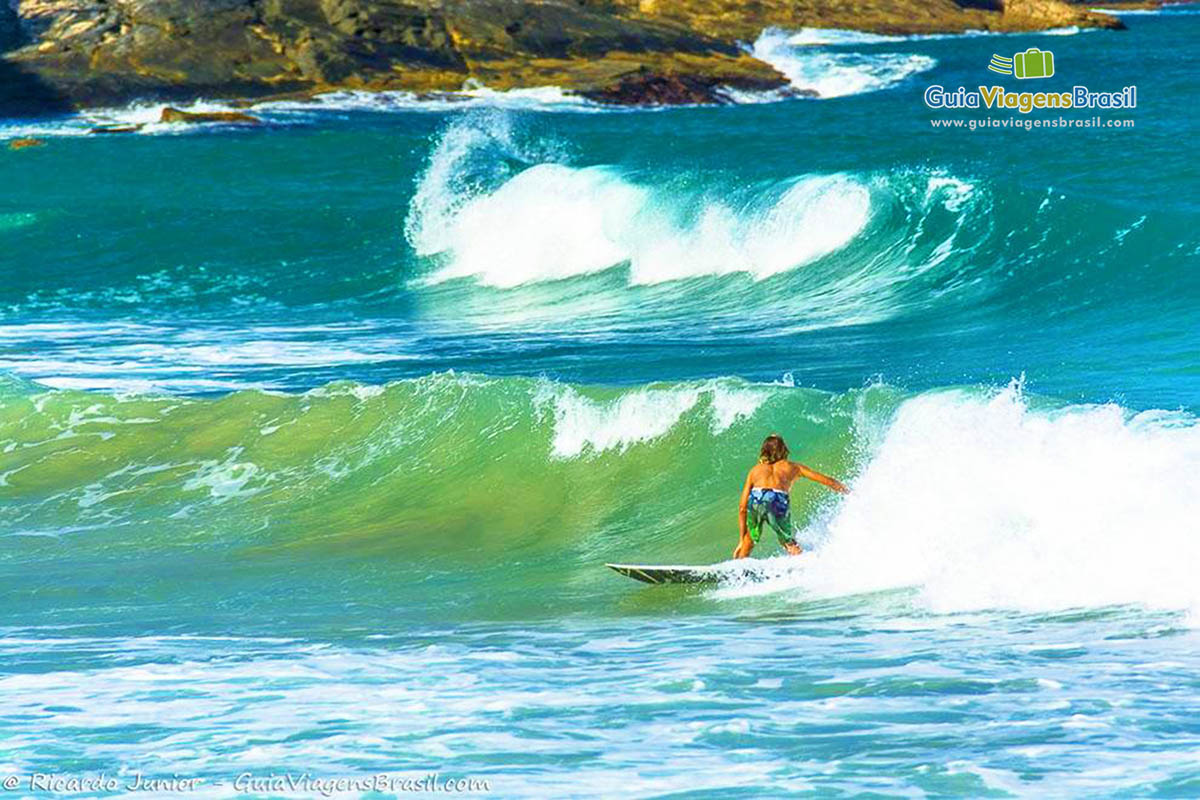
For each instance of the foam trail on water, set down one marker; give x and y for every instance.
(536, 98)
(140, 117)
(842, 37)
(1135, 11)
(990, 503)
(833, 36)
(144, 118)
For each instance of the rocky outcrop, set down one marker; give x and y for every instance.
(648, 88)
(98, 52)
(746, 18)
(194, 117)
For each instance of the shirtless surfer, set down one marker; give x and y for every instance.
(765, 496)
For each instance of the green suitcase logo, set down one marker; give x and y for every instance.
(1033, 63)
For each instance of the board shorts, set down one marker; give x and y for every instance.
(773, 508)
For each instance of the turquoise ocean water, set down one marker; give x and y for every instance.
(314, 437)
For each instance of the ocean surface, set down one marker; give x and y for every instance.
(315, 437)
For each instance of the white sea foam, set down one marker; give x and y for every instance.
(989, 503)
(835, 62)
(796, 223)
(952, 192)
(808, 64)
(548, 222)
(729, 406)
(1122, 12)
(833, 37)
(225, 480)
(151, 386)
(538, 98)
(75, 330)
(551, 221)
(473, 154)
(142, 117)
(843, 37)
(144, 358)
(261, 352)
(585, 426)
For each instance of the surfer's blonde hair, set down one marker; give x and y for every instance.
(774, 448)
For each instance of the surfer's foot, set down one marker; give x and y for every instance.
(793, 549)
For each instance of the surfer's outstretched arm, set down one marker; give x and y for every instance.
(745, 543)
(832, 483)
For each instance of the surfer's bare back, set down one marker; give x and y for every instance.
(765, 496)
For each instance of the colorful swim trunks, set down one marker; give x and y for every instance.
(772, 507)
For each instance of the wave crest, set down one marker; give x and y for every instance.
(487, 212)
(983, 502)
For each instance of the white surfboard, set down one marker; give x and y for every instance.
(740, 570)
(662, 573)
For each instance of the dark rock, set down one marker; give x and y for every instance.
(236, 117)
(659, 90)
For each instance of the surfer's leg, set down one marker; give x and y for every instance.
(744, 546)
(782, 525)
(754, 521)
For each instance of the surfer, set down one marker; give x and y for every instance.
(765, 496)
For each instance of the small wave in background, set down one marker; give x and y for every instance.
(508, 217)
(497, 209)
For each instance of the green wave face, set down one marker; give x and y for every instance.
(458, 496)
(378, 468)
(446, 473)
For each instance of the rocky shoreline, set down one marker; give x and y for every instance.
(70, 54)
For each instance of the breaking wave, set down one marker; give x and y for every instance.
(809, 64)
(965, 498)
(502, 210)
